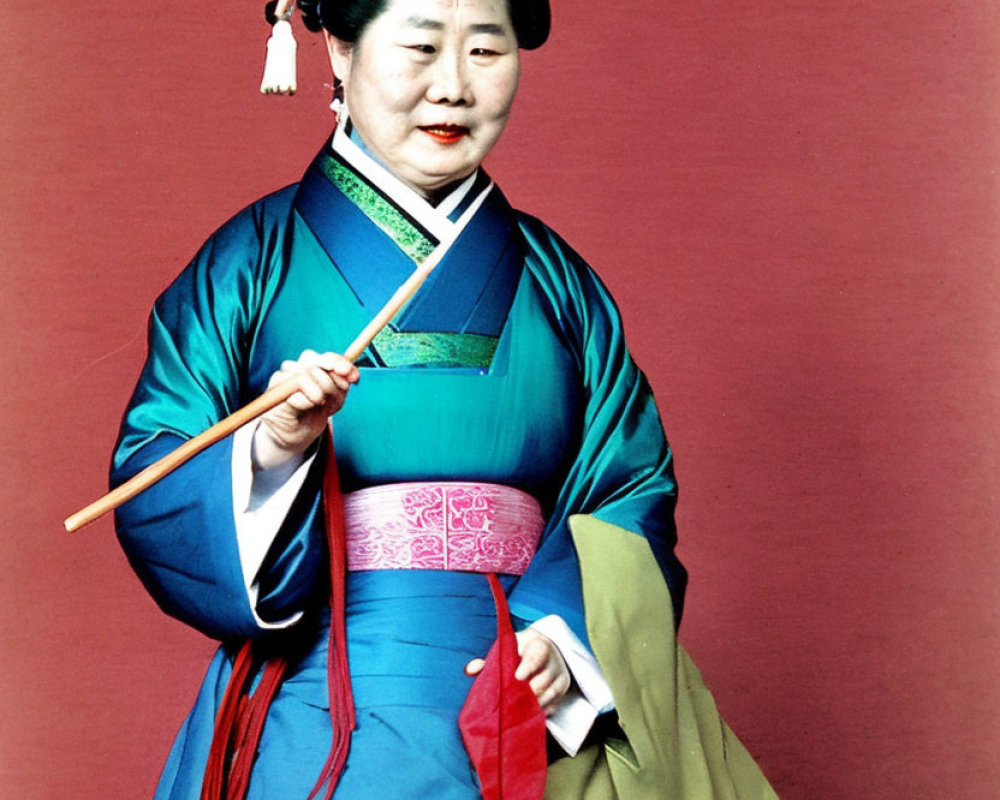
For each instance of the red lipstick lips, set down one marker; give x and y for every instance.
(445, 134)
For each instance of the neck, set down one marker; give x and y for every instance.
(435, 196)
(432, 196)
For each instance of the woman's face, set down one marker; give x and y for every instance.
(429, 85)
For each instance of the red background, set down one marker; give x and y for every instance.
(796, 206)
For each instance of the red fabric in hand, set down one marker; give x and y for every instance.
(502, 725)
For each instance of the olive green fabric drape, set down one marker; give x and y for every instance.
(676, 746)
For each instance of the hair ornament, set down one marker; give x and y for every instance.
(279, 66)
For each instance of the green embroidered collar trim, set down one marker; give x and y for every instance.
(392, 348)
(410, 238)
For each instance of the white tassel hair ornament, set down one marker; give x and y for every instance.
(279, 66)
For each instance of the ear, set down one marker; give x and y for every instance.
(340, 55)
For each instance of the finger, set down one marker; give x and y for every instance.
(308, 359)
(527, 637)
(534, 656)
(313, 392)
(302, 404)
(555, 673)
(287, 370)
(341, 384)
(324, 388)
(474, 667)
(329, 384)
(334, 362)
(335, 399)
(549, 699)
(554, 690)
(277, 377)
(541, 683)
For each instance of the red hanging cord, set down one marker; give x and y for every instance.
(252, 725)
(240, 719)
(226, 720)
(337, 670)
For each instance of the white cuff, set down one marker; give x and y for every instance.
(261, 501)
(590, 694)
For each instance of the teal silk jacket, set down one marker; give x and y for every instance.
(509, 367)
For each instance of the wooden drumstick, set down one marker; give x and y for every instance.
(271, 398)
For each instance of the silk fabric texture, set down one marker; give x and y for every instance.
(559, 411)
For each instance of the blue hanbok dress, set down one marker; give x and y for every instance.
(509, 367)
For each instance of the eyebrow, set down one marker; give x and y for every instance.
(425, 24)
(488, 27)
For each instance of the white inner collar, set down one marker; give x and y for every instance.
(432, 218)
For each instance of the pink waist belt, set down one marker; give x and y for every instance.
(467, 527)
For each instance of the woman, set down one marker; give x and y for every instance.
(507, 372)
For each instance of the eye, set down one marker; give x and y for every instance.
(423, 49)
(483, 52)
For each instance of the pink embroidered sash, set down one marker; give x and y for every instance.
(467, 527)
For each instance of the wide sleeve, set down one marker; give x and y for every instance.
(179, 535)
(622, 472)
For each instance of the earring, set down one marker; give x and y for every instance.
(337, 103)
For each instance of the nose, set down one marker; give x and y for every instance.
(449, 84)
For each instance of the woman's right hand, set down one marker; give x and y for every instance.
(287, 430)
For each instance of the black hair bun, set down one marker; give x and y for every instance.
(346, 19)
(312, 18)
(532, 21)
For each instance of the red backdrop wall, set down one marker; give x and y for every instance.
(796, 206)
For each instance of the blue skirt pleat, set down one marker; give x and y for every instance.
(410, 634)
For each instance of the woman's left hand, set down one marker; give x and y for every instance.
(542, 665)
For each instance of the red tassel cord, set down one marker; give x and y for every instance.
(240, 719)
(502, 725)
(254, 715)
(338, 671)
(213, 785)
(238, 725)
